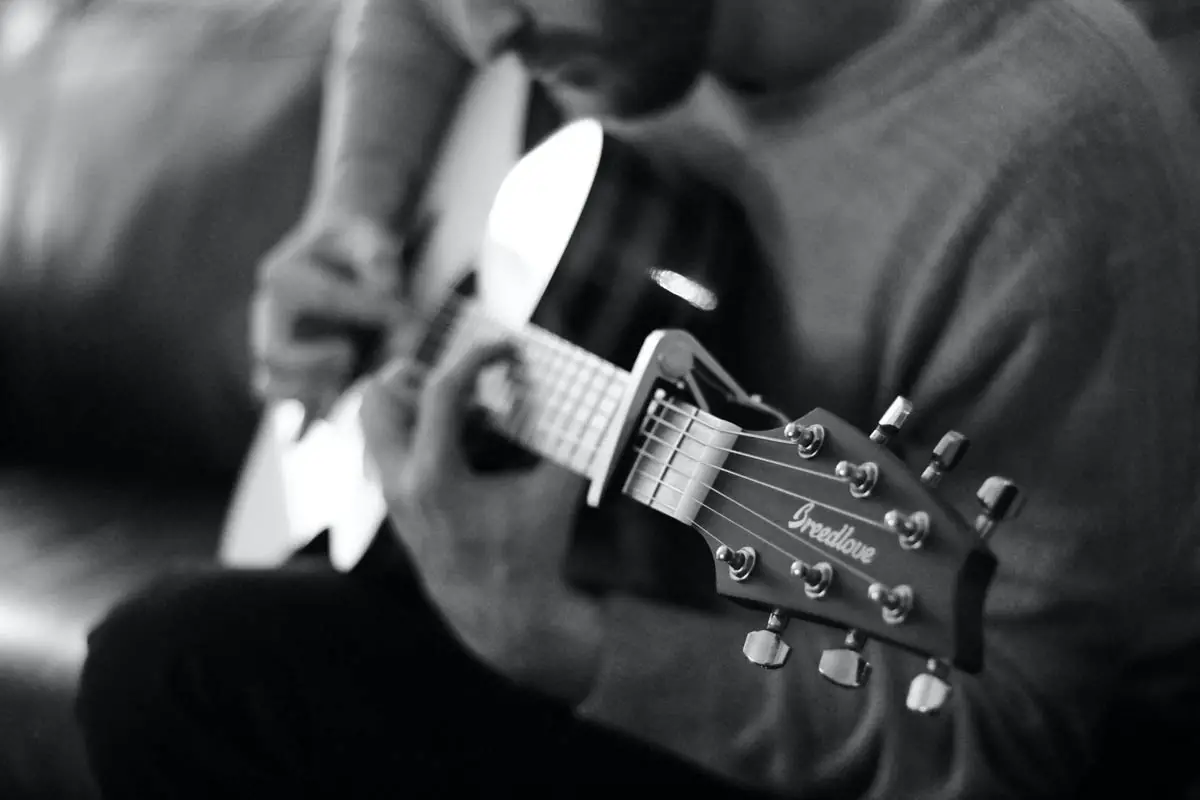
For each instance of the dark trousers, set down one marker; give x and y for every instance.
(302, 682)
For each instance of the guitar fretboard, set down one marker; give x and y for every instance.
(561, 402)
(564, 400)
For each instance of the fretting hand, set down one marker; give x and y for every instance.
(488, 548)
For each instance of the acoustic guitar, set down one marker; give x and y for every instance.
(606, 268)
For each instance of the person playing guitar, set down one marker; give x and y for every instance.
(988, 208)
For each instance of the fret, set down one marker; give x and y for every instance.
(682, 451)
(542, 387)
(608, 387)
(593, 435)
(572, 403)
(530, 403)
(552, 382)
(575, 412)
(605, 413)
(559, 390)
(583, 421)
(665, 444)
(562, 382)
(565, 400)
(651, 465)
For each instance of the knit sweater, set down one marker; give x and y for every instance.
(993, 211)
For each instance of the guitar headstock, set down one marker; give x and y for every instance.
(817, 520)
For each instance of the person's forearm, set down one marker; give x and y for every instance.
(678, 680)
(393, 79)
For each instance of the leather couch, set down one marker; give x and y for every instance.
(150, 152)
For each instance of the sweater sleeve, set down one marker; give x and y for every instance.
(1061, 336)
(395, 73)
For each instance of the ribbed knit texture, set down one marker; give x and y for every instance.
(994, 212)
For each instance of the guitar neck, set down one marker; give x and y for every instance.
(566, 400)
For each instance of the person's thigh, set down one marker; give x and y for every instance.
(234, 683)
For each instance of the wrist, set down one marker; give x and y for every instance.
(357, 191)
(558, 647)
(579, 632)
(541, 634)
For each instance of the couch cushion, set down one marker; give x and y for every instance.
(70, 546)
(150, 152)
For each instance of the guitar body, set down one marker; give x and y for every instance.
(609, 271)
(568, 229)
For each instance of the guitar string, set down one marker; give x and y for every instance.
(549, 345)
(546, 346)
(662, 418)
(557, 347)
(865, 576)
(550, 342)
(762, 539)
(480, 318)
(677, 449)
(476, 317)
(709, 534)
(763, 436)
(669, 509)
(705, 532)
(665, 463)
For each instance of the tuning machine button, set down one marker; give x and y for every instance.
(930, 690)
(1001, 500)
(947, 454)
(861, 477)
(767, 648)
(846, 666)
(896, 603)
(911, 528)
(892, 420)
(808, 438)
(741, 562)
(817, 577)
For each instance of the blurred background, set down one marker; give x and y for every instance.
(150, 152)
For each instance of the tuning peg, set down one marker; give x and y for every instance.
(861, 477)
(946, 456)
(895, 603)
(817, 577)
(808, 438)
(1001, 500)
(912, 529)
(892, 420)
(767, 648)
(930, 690)
(741, 562)
(846, 666)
